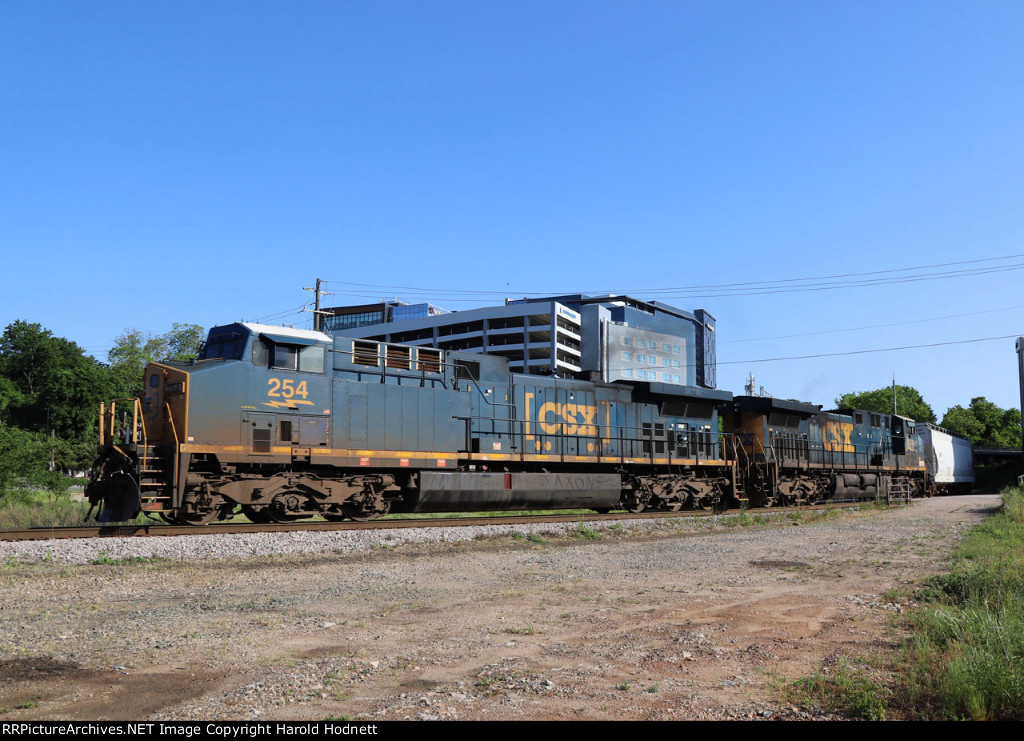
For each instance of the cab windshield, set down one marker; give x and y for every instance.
(228, 346)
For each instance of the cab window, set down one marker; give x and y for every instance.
(308, 359)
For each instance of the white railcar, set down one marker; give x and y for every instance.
(950, 459)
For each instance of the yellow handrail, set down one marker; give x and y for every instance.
(174, 430)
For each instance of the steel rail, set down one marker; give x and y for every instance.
(160, 529)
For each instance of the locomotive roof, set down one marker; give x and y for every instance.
(299, 334)
(767, 404)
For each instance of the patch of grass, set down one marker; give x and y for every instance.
(104, 560)
(1013, 503)
(587, 533)
(965, 658)
(529, 630)
(27, 507)
(624, 687)
(535, 538)
(842, 689)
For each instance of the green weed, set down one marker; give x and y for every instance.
(965, 658)
(529, 630)
(104, 560)
(842, 689)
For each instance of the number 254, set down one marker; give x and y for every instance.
(286, 388)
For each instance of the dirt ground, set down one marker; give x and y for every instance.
(617, 624)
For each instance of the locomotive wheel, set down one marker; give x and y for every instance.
(286, 508)
(275, 514)
(362, 514)
(197, 518)
(634, 505)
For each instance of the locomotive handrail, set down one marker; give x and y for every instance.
(107, 428)
(700, 447)
(177, 445)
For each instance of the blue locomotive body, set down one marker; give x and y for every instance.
(289, 423)
(792, 452)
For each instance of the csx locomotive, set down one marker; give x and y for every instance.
(286, 423)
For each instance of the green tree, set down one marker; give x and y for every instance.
(51, 384)
(184, 341)
(985, 423)
(24, 456)
(9, 396)
(909, 402)
(128, 357)
(133, 350)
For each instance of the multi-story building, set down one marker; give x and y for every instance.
(603, 338)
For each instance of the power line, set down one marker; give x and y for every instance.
(280, 314)
(869, 326)
(720, 290)
(864, 352)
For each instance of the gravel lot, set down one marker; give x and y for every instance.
(683, 619)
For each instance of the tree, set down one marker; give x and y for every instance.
(985, 423)
(51, 384)
(184, 341)
(909, 402)
(133, 349)
(24, 455)
(9, 396)
(128, 357)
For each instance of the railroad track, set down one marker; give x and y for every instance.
(161, 529)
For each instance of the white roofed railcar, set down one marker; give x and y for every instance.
(949, 457)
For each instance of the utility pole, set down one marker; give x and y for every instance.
(1020, 369)
(317, 316)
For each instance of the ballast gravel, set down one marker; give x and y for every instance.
(208, 546)
(702, 618)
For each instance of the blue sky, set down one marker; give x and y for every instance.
(203, 162)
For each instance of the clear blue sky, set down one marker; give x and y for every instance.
(203, 162)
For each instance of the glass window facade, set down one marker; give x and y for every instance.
(348, 321)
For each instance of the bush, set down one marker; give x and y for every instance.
(966, 658)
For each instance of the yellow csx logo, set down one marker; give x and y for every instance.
(837, 437)
(568, 419)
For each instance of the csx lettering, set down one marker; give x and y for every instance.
(837, 437)
(568, 419)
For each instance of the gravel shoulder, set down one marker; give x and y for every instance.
(695, 620)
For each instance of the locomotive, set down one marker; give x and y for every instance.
(284, 424)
